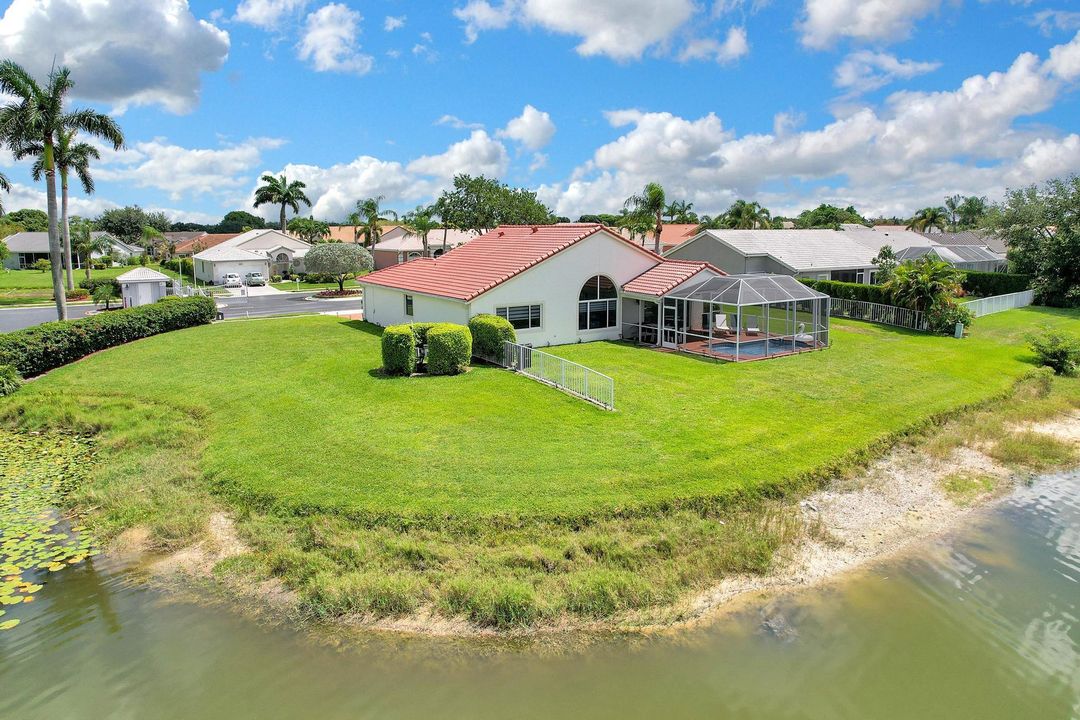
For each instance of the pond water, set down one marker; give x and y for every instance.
(983, 624)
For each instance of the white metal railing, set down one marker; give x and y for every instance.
(878, 313)
(570, 377)
(1000, 303)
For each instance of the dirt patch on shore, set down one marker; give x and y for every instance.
(198, 560)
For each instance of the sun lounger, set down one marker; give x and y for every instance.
(752, 325)
(720, 326)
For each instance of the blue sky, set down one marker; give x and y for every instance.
(884, 104)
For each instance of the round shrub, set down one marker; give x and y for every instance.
(398, 350)
(1057, 350)
(489, 332)
(10, 380)
(449, 349)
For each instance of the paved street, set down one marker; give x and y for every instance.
(258, 306)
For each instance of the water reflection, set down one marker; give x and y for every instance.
(980, 625)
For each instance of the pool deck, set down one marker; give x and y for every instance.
(701, 347)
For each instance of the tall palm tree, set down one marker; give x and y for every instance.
(70, 156)
(5, 185)
(680, 211)
(371, 215)
(650, 202)
(279, 191)
(37, 115)
(422, 221)
(929, 218)
(744, 215)
(85, 243)
(952, 205)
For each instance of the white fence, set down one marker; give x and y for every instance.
(878, 313)
(570, 377)
(1000, 303)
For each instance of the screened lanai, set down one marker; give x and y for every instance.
(743, 317)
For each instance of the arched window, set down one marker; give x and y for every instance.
(598, 304)
(281, 258)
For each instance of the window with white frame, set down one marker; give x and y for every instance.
(598, 304)
(408, 305)
(521, 317)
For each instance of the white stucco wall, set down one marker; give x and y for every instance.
(386, 306)
(556, 283)
(215, 271)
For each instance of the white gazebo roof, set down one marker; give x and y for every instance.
(142, 274)
(749, 290)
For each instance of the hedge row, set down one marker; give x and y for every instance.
(44, 347)
(851, 291)
(183, 266)
(489, 332)
(93, 284)
(445, 347)
(985, 284)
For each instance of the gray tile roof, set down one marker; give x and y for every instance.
(37, 242)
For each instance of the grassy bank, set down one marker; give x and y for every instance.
(489, 497)
(33, 287)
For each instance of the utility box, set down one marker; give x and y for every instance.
(142, 286)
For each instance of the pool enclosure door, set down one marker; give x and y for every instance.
(671, 323)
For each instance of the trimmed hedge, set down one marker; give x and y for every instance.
(182, 266)
(91, 285)
(398, 350)
(489, 332)
(851, 291)
(44, 347)
(449, 349)
(986, 284)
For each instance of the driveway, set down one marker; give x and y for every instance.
(257, 291)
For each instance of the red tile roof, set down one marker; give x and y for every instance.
(667, 275)
(489, 260)
(205, 241)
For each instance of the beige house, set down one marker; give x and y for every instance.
(399, 245)
(270, 252)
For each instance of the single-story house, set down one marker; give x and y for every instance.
(205, 241)
(350, 233)
(142, 286)
(578, 282)
(26, 248)
(401, 245)
(671, 235)
(962, 257)
(270, 252)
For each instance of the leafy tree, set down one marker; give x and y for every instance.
(127, 223)
(680, 212)
(38, 115)
(828, 216)
(71, 157)
(309, 229)
(342, 260)
(153, 239)
(237, 220)
(371, 219)
(85, 243)
(651, 202)
(422, 221)
(43, 265)
(191, 227)
(9, 228)
(104, 294)
(886, 262)
(603, 218)
(952, 209)
(971, 212)
(279, 191)
(480, 204)
(929, 218)
(5, 253)
(921, 284)
(31, 220)
(1042, 232)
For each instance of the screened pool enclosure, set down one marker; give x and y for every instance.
(733, 317)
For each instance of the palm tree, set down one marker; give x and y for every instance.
(929, 218)
(85, 243)
(37, 115)
(744, 215)
(422, 221)
(371, 216)
(952, 205)
(279, 191)
(650, 202)
(152, 239)
(5, 185)
(918, 285)
(680, 211)
(69, 156)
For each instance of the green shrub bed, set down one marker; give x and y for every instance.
(986, 284)
(399, 350)
(47, 346)
(443, 348)
(489, 332)
(851, 291)
(449, 349)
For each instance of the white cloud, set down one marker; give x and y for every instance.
(185, 172)
(864, 70)
(533, 128)
(1049, 21)
(917, 148)
(126, 52)
(457, 123)
(392, 22)
(735, 46)
(619, 29)
(539, 160)
(334, 190)
(479, 154)
(269, 14)
(329, 41)
(826, 21)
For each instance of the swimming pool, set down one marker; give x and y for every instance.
(758, 348)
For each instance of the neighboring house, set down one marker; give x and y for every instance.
(28, 247)
(970, 237)
(183, 236)
(400, 245)
(556, 284)
(962, 257)
(205, 241)
(142, 286)
(671, 235)
(819, 254)
(348, 233)
(270, 252)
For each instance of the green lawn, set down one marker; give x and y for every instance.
(29, 287)
(298, 419)
(307, 286)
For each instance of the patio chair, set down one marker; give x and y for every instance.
(720, 325)
(802, 336)
(752, 325)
